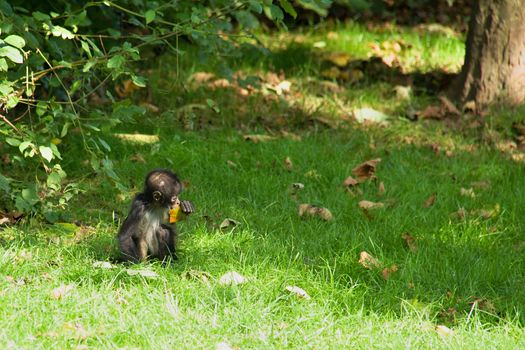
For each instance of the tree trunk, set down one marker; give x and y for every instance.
(494, 68)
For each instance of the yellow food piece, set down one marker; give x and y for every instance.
(176, 214)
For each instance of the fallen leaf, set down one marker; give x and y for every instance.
(313, 210)
(488, 213)
(484, 304)
(127, 88)
(201, 77)
(138, 158)
(449, 106)
(258, 138)
(368, 261)
(366, 205)
(410, 241)
(62, 291)
(143, 273)
(138, 138)
(223, 346)
(430, 200)
(228, 223)
(366, 170)
(197, 275)
(431, 112)
(340, 59)
(103, 265)
(403, 92)
(231, 164)
(288, 164)
(381, 188)
(388, 271)
(77, 328)
(444, 331)
(467, 192)
(18, 282)
(301, 293)
(370, 115)
(232, 278)
(350, 182)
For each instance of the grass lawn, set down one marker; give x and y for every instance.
(462, 269)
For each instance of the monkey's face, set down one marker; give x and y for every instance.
(162, 188)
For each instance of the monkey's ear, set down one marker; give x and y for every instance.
(157, 196)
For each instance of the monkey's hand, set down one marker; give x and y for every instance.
(187, 207)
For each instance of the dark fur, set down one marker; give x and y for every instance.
(146, 232)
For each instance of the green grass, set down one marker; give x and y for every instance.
(457, 262)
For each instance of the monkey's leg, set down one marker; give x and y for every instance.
(142, 249)
(128, 249)
(168, 242)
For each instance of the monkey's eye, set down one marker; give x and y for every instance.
(174, 199)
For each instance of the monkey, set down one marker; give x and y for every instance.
(149, 230)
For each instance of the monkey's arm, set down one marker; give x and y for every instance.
(131, 243)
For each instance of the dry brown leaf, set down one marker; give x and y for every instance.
(366, 205)
(366, 170)
(444, 331)
(381, 188)
(62, 291)
(228, 224)
(232, 278)
(127, 88)
(467, 192)
(484, 304)
(350, 182)
(258, 138)
(410, 241)
(288, 164)
(231, 164)
(142, 272)
(368, 261)
(150, 107)
(449, 106)
(388, 271)
(138, 158)
(290, 135)
(201, 77)
(301, 293)
(431, 112)
(313, 210)
(430, 200)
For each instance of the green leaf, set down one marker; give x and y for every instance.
(3, 65)
(12, 53)
(288, 8)
(274, 13)
(88, 65)
(54, 180)
(150, 16)
(41, 108)
(16, 41)
(138, 80)
(39, 16)
(13, 142)
(4, 184)
(116, 62)
(85, 47)
(62, 32)
(5, 8)
(255, 6)
(46, 152)
(30, 196)
(23, 146)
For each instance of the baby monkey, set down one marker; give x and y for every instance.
(149, 229)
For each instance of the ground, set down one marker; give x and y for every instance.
(439, 265)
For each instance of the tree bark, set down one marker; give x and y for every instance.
(494, 67)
